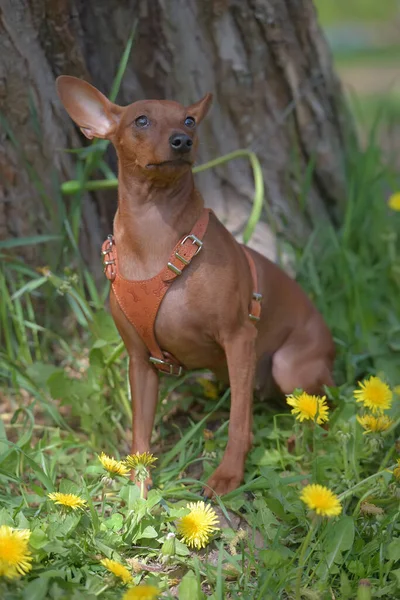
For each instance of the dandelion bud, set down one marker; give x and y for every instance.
(168, 548)
(364, 590)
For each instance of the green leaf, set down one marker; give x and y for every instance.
(29, 287)
(395, 574)
(38, 538)
(153, 498)
(130, 494)
(5, 518)
(28, 241)
(181, 548)
(275, 558)
(122, 65)
(189, 588)
(266, 518)
(149, 532)
(21, 521)
(39, 372)
(339, 538)
(345, 586)
(115, 522)
(36, 589)
(356, 567)
(393, 550)
(3, 436)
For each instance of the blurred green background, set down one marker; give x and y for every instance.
(364, 36)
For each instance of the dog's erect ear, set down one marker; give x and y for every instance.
(199, 110)
(89, 108)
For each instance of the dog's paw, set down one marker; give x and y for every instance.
(223, 481)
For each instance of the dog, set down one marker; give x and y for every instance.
(185, 293)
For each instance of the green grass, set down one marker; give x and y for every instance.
(368, 56)
(332, 12)
(64, 376)
(68, 401)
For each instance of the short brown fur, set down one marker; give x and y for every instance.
(203, 319)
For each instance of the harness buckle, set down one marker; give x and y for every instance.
(158, 362)
(195, 241)
(253, 318)
(257, 298)
(185, 261)
(173, 268)
(108, 260)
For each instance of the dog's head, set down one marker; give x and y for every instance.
(157, 136)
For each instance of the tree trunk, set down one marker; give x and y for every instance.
(266, 62)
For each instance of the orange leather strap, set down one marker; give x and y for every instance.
(256, 299)
(141, 300)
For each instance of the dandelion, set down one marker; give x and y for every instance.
(197, 527)
(114, 467)
(68, 500)
(396, 390)
(374, 394)
(141, 464)
(142, 592)
(210, 389)
(321, 500)
(15, 557)
(310, 407)
(396, 470)
(373, 424)
(144, 460)
(394, 201)
(168, 549)
(117, 569)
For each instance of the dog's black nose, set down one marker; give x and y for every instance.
(180, 142)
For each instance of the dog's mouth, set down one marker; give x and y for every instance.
(170, 163)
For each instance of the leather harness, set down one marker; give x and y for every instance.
(141, 300)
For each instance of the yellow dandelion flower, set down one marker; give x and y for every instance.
(396, 470)
(142, 592)
(374, 394)
(144, 460)
(375, 424)
(321, 500)
(117, 569)
(394, 201)
(396, 390)
(210, 389)
(310, 407)
(197, 527)
(114, 467)
(68, 500)
(15, 556)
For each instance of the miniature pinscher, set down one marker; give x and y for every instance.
(185, 294)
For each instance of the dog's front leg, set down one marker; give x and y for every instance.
(241, 359)
(143, 381)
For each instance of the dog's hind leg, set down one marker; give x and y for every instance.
(294, 367)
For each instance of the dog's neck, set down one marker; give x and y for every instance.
(152, 216)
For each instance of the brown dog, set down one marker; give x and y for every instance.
(203, 320)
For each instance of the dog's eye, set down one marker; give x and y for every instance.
(142, 121)
(190, 122)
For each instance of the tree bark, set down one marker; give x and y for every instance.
(265, 61)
